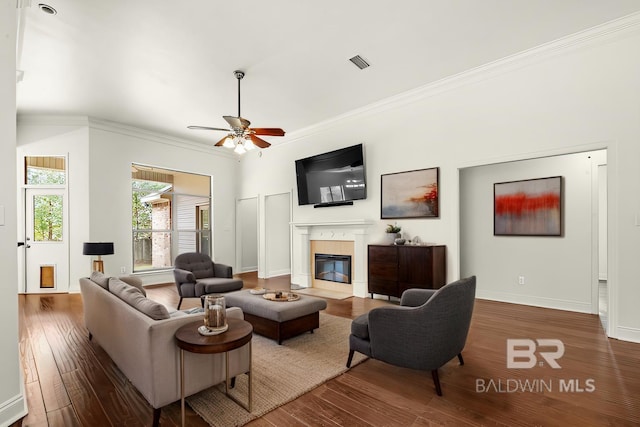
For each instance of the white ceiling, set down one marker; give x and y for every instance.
(163, 65)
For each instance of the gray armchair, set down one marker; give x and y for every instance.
(427, 330)
(196, 274)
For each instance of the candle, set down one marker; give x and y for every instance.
(215, 312)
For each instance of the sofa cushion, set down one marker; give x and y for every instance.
(177, 313)
(214, 285)
(100, 279)
(132, 296)
(134, 281)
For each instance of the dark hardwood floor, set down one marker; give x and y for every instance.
(70, 381)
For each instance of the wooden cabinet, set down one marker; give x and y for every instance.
(393, 269)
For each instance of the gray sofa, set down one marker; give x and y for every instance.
(138, 334)
(196, 274)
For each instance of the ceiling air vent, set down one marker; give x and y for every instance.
(359, 62)
(49, 10)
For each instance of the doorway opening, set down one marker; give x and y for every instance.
(525, 269)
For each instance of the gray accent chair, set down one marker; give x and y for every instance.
(196, 274)
(426, 331)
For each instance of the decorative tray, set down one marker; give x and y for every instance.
(203, 330)
(281, 296)
(258, 291)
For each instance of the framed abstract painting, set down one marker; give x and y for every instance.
(412, 194)
(531, 207)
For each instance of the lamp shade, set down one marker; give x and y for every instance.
(97, 248)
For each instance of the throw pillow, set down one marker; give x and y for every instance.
(135, 282)
(100, 279)
(132, 296)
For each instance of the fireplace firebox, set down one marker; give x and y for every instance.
(333, 268)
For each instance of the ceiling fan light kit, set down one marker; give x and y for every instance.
(241, 137)
(239, 149)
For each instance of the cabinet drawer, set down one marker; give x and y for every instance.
(393, 269)
(383, 254)
(383, 287)
(383, 270)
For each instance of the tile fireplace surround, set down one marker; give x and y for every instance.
(356, 231)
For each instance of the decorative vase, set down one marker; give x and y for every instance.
(215, 313)
(391, 238)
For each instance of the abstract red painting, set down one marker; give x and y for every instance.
(531, 207)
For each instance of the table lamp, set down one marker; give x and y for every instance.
(99, 249)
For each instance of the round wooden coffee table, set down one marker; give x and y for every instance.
(189, 339)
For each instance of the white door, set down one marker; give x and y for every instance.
(47, 241)
(247, 235)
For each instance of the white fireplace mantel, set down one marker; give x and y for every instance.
(356, 231)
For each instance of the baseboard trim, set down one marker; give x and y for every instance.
(557, 304)
(628, 334)
(277, 273)
(13, 409)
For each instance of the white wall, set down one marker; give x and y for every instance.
(277, 211)
(69, 137)
(557, 271)
(578, 94)
(111, 153)
(100, 157)
(12, 398)
(602, 222)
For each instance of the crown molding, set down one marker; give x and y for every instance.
(122, 129)
(51, 120)
(152, 136)
(603, 33)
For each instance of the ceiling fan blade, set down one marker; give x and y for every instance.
(207, 128)
(259, 142)
(237, 122)
(219, 143)
(268, 131)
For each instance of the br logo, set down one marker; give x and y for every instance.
(521, 353)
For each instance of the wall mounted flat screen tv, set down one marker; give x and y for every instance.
(333, 178)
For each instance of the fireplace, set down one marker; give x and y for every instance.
(333, 268)
(349, 237)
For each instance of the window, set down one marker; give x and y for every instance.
(44, 170)
(47, 218)
(170, 216)
(48, 209)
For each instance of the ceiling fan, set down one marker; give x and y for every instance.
(241, 136)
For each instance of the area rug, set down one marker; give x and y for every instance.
(281, 373)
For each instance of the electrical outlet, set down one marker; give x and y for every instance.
(123, 270)
(520, 280)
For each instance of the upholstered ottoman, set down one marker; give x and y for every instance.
(278, 320)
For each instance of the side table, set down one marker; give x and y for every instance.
(189, 339)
